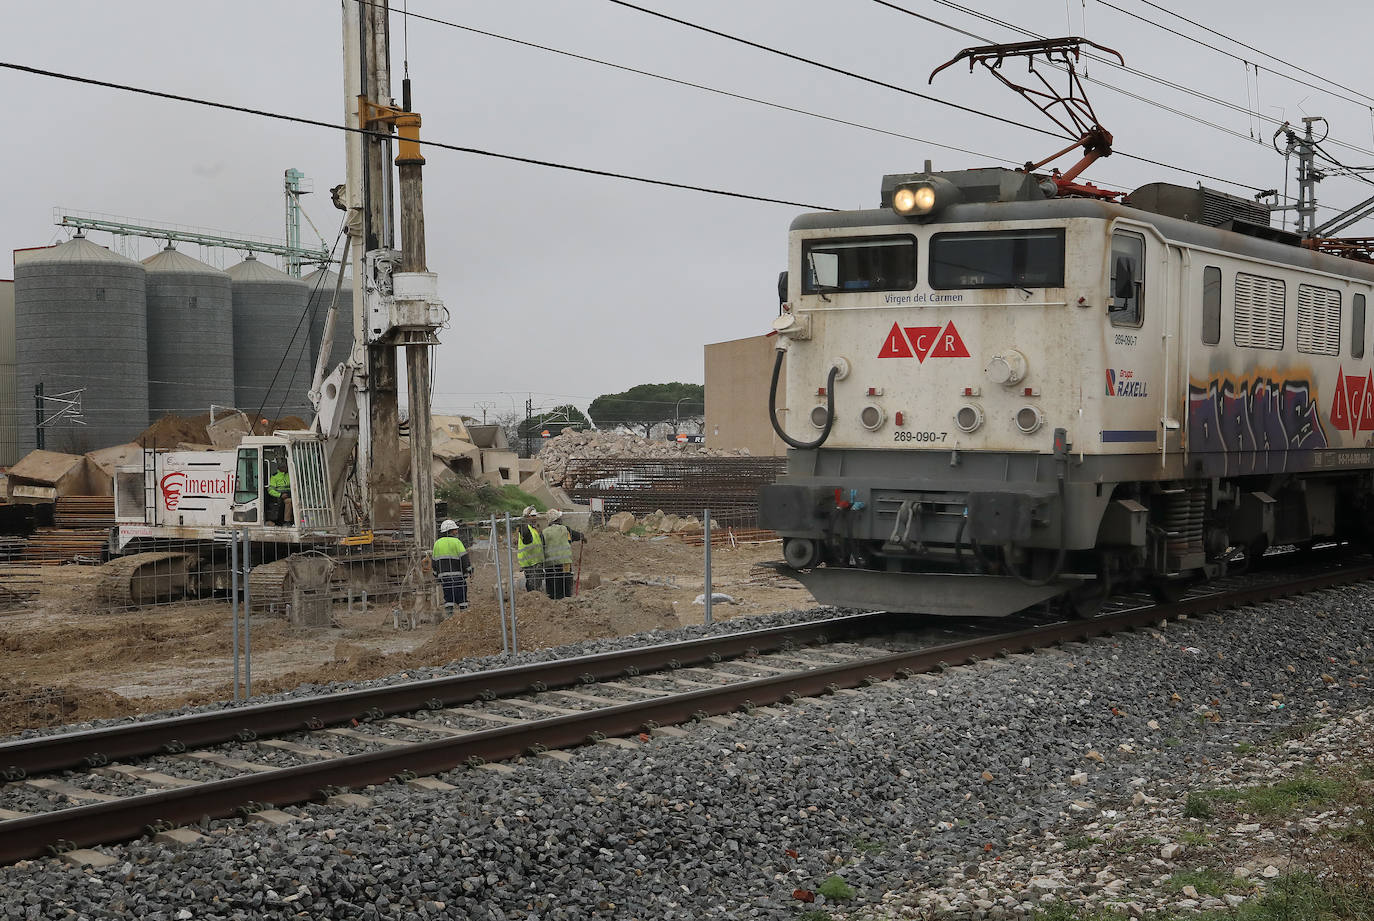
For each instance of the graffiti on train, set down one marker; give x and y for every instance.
(1257, 413)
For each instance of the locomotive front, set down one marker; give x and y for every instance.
(936, 354)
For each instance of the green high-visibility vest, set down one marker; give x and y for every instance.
(557, 544)
(448, 547)
(531, 553)
(278, 484)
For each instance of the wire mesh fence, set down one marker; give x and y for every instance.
(728, 486)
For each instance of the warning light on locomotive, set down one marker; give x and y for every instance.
(924, 197)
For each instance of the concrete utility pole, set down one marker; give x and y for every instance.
(395, 298)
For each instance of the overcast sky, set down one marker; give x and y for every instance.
(569, 285)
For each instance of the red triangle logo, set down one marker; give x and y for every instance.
(895, 346)
(949, 344)
(922, 338)
(1340, 415)
(1355, 387)
(1367, 414)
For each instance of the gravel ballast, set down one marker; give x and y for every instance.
(891, 787)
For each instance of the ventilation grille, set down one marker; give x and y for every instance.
(1319, 320)
(1259, 312)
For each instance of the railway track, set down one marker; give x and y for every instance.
(294, 751)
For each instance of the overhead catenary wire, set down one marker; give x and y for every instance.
(439, 145)
(698, 86)
(917, 94)
(1242, 44)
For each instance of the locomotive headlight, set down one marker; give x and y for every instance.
(924, 197)
(1029, 419)
(969, 418)
(872, 417)
(918, 200)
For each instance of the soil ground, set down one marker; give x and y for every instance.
(63, 659)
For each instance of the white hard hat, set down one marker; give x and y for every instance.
(555, 514)
(530, 512)
(448, 525)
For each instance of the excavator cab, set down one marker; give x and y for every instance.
(282, 481)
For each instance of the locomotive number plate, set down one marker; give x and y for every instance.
(919, 436)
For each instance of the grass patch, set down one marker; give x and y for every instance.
(1195, 839)
(815, 914)
(1197, 806)
(1244, 748)
(1080, 842)
(469, 500)
(1283, 798)
(1134, 845)
(1207, 881)
(1173, 742)
(865, 846)
(1304, 896)
(836, 889)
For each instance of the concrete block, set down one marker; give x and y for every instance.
(85, 857)
(429, 783)
(671, 732)
(354, 800)
(616, 743)
(562, 756)
(497, 767)
(178, 836)
(272, 817)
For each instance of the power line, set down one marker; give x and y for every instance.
(910, 92)
(300, 120)
(697, 86)
(1242, 44)
(1178, 87)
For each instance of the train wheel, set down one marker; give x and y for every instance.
(800, 553)
(1169, 590)
(1085, 601)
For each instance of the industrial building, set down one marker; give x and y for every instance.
(737, 377)
(119, 343)
(9, 399)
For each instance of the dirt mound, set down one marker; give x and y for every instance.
(24, 705)
(170, 431)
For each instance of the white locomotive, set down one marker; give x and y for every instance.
(997, 395)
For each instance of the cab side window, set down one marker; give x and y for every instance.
(1128, 279)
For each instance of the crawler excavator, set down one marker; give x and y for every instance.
(177, 513)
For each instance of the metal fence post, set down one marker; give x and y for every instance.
(706, 527)
(247, 618)
(234, 603)
(510, 565)
(500, 586)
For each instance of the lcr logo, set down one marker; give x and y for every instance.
(922, 342)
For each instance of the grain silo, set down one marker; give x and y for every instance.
(190, 336)
(9, 400)
(321, 284)
(81, 324)
(272, 368)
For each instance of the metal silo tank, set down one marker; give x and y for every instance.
(272, 367)
(81, 323)
(321, 284)
(190, 336)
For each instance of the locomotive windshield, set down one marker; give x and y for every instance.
(859, 264)
(998, 259)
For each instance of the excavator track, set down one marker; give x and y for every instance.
(147, 578)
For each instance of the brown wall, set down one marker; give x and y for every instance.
(737, 376)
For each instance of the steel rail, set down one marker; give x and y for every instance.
(114, 821)
(94, 747)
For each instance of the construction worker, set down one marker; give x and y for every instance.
(279, 489)
(558, 538)
(451, 567)
(529, 549)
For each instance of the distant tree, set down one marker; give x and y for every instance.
(647, 405)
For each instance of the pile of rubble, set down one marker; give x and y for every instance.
(656, 521)
(556, 452)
